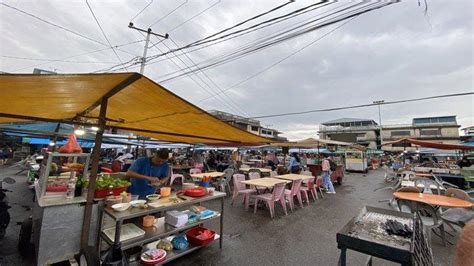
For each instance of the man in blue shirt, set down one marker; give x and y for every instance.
(146, 174)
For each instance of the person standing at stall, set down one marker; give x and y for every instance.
(294, 164)
(326, 168)
(146, 174)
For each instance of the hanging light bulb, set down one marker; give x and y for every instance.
(79, 131)
(94, 128)
(52, 143)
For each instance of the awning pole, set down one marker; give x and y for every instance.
(94, 168)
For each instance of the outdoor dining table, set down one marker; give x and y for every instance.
(210, 174)
(293, 177)
(263, 170)
(267, 182)
(434, 200)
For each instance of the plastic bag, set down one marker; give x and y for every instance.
(180, 243)
(71, 146)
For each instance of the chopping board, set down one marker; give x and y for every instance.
(164, 202)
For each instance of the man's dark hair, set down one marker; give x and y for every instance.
(162, 154)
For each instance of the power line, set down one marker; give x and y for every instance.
(282, 17)
(195, 81)
(283, 59)
(53, 24)
(247, 32)
(103, 33)
(212, 81)
(365, 105)
(191, 18)
(171, 12)
(53, 60)
(200, 42)
(81, 54)
(271, 41)
(141, 11)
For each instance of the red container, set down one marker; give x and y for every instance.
(195, 192)
(196, 231)
(102, 193)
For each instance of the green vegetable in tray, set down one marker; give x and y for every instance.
(107, 181)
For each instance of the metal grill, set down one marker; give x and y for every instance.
(366, 233)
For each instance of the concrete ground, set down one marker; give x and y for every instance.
(305, 237)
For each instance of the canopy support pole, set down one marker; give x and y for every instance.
(94, 168)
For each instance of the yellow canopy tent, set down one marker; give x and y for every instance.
(126, 101)
(134, 103)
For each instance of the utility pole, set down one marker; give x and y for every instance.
(145, 49)
(380, 121)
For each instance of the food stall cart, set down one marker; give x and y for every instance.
(57, 211)
(356, 160)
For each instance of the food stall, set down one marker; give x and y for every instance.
(356, 160)
(97, 100)
(58, 208)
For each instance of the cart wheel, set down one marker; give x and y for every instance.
(25, 247)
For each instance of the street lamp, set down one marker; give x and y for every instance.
(380, 121)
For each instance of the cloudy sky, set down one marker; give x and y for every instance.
(397, 52)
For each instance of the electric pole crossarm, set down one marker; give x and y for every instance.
(147, 31)
(145, 49)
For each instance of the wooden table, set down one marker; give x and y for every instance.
(263, 170)
(435, 200)
(293, 177)
(211, 174)
(267, 182)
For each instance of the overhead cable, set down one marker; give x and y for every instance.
(165, 16)
(103, 33)
(141, 11)
(365, 105)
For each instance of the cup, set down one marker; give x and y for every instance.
(148, 221)
(210, 190)
(165, 191)
(134, 197)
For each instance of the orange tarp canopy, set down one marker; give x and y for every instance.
(430, 144)
(135, 104)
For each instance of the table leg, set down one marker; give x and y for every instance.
(221, 223)
(342, 257)
(118, 226)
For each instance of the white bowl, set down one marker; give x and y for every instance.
(153, 197)
(120, 207)
(136, 203)
(188, 186)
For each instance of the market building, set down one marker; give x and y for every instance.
(366, 132)
(251, 125)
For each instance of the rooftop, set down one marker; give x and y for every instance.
(348, 120)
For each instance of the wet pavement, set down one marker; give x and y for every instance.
(305, 237)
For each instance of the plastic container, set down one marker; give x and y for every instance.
(192, 234)
(102, 193)
(165, 191)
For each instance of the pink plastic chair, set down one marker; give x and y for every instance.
(278, 195)
(256, 175)
(295, 191)
(309, 189)
(240, 188)
(319, 185)
(176, 176)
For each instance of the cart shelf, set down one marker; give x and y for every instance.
(174, 254)
(136, 212)
(153, 233)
